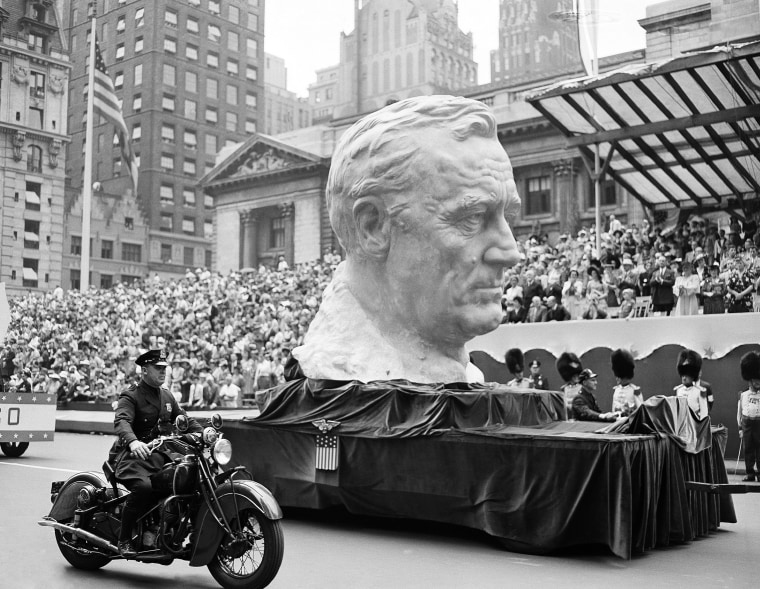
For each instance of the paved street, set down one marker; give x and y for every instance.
(329, 550)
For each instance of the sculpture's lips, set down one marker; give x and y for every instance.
(488, 292)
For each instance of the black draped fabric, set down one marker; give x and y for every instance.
(491, 458)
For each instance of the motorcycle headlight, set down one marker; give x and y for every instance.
(210, 435)
(222, 451)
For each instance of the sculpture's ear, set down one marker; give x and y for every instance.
(372, 226)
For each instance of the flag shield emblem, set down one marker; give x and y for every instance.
(327, 445)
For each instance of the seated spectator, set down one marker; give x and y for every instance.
(555, 311)
(627, 304)
(514, 311)
(594, 311)
(536, 311)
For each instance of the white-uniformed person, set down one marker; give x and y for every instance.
(626, 396)
(689, 367)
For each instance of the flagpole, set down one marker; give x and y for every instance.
(84, 273)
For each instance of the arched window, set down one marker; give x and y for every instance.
(34, 159)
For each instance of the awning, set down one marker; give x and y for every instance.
(30, 236)
(32, 197)
(29, 274)
(682, 132)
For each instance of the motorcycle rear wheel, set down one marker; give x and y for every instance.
(255, 563)
(14, 449)
(86, 562)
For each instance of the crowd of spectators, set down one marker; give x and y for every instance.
(695, 268)
(227, 336)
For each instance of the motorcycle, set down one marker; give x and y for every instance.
(208, 516)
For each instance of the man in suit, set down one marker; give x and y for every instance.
(555, 311)
(536, 312)
(661, 284)
(533, 287)
(585, 407)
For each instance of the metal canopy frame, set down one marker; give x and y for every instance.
(683, 132)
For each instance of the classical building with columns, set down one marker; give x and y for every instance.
(269, 202)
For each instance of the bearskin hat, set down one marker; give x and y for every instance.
(750, 366)
(515, 360)
(568, 365)
(623, 364)
(689, 364)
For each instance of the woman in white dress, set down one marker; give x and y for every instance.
(686, 289)
(572, 295)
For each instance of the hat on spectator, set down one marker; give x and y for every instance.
(627, 260)
(568, 365)
(585, 374)
(515, 360)
(715, 265)
(750, 366)
(689, 364)
(152, 358)
(623, 364)
(55, 375)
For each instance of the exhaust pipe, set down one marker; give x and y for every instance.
(90, 537)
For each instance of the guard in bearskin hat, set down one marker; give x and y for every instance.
(626, 396)
(516, 365)
(689, 366)
(748, 414)
(569, 367)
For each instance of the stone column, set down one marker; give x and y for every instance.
(565, 174)
(248, 253)
(287, 210)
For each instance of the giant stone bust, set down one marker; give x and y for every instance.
(420, 194)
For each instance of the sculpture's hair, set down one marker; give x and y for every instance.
(379, 154)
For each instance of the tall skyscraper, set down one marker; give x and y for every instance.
(34, 69)
(188, 75)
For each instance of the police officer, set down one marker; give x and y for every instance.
(144, 412)
(538, 380)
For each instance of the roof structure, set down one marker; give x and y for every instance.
(684, 132)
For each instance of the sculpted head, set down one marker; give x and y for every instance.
(420, 195)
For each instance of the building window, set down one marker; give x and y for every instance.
(191, 52)
(212, 88)
(233, 14)
(136, 132)
(137, 103)
(232, 95)
(231, 121)
(170, 19)
(252, 47)
(232, 67)
(106, 280)
(167, 133)
(170, 75)
(191, 82)
(36, 118)
(170, 45)
(188, 225)
(211, 115)
(138, 74)
(121, 24)
(166, 252)
(211, 144)
(607, 194)
(253, 22)
(139, 17)
(190, 139)
(74, 277)
(213, 7)
(277, 233)
(251, 73)
(128, 279)
(118, 80)
(188, 256)
(29, 273)
(233, 41)
(120, 52)
(250, 126)
(131, 252)
(138, 44)
(188, 196)
(188, 167)
(76, 245)
(212, 60)
(167, 161)
(167, 103)
(191, 109)
(129, 223)
(106, 249)
(213, 33)
(251, 100)
(166, 194)
(192, 25)
(208, 229)
(208, 201)
(37, 85)
(34, 159)
(31, 234)
(538, 198)
(167, 222)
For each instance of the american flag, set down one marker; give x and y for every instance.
(107, 104)
(327, 451)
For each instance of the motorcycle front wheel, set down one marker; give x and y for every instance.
(250, 559)
(14, 449)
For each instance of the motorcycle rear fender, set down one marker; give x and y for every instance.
(210, 534)
(66, 502)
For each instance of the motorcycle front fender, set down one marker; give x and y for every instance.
(246, 494)
(66, 501)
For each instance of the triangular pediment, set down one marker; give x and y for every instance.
(258, 156)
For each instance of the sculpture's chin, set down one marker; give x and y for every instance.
(480, 320)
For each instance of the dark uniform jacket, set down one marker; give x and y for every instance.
(143, 413)
(585, 407)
